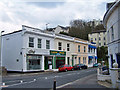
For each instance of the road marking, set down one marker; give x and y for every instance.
(69, 74)
(20, 83)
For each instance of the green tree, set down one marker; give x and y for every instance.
(102, 52)
(80, 29)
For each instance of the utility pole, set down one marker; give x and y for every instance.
(1, 47)
(1, 58)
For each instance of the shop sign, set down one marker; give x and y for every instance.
(57, 52)
(31, 51)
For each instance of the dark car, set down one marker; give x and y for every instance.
(95, 65)
(65, 68)
(105, 70)
(79, 66)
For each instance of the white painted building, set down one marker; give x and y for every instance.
(58, 29)
(25, 50)
(92, 54)
(112, 24)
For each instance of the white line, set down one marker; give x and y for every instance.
(21, 83)
(70, 82)
(12, 81)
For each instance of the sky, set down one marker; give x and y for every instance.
(37, 13)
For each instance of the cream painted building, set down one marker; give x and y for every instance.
(81, 50)
(98, 37)
(65, 43)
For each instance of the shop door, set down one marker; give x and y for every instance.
(59, 63)
(46, 63)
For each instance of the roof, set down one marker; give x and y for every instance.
(12, 32)
(110, 11)
(98, 31)
(64, 27)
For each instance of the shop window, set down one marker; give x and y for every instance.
(31, 42)
(39, 43)
(68, 47)
(84, 48)
(47, 44)
(59, 46)
(78, 48)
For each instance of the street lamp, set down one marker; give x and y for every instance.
(1, 47)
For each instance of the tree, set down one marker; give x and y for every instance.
(80, 29)
(99, 27)
(102, 52)
(64, 33)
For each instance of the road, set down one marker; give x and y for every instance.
(46, 80)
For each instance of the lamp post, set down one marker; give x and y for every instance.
(1, 58)
(1, 47)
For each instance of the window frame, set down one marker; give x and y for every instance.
(39, 43)
(78, 48)
(31, 42)
(48, 45)
(59, 46)
(68, 47)
(84, 48)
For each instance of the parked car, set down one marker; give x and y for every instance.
(80, 66)
(105, 70)
(95, 65)
(65, 67)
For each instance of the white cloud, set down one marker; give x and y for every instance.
(15, 14)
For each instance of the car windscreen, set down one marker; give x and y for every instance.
(61, 66)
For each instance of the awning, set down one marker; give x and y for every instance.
(90, 57)
(90, 46)
(93, 42)
(95, 57)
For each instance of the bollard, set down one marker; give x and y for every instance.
(54, 84)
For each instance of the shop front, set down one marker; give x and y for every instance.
(34, 62)
(58, 58)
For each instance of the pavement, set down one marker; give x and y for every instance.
(12, 74)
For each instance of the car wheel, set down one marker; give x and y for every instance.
(72, 69)
(66, 70)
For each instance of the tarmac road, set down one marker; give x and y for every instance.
(63, 79)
